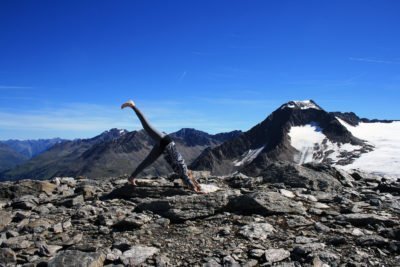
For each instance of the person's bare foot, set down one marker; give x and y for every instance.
(128, 103)
(132, 181)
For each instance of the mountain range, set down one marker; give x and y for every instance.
(112, 153)
(297, 132)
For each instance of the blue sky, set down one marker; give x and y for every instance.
(66, 66)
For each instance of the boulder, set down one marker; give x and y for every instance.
(265, 203)
(76, 258)
(137, 255)
(182, 208)
(258, 231)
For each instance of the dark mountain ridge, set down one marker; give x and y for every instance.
(269, 141)
(112, 153)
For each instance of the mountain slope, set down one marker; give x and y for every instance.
(280, 137)
(115, 152)
(9, 158)
(31, 148)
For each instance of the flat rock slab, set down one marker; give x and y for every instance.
(265, 203)
(361, 219)
(128, 191)
(275, 255)
(182, 208)
(76, 258)
(137, 255)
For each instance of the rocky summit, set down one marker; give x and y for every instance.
(314, 216)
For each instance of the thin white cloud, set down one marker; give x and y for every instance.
(80, 120)
(373, 60)
(182, 76)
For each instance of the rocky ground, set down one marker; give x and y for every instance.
(290, 216)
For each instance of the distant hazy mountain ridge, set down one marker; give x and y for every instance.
(114, 152)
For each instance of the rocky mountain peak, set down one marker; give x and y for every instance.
(305, 104)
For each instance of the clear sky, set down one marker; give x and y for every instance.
(66, 66)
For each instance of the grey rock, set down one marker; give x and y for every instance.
(311, 176)
(5, 219)
(73, 201)
(212, 263)
(258, 231)
(372, 240)
(250, 263)
(72, 258)
(137, 255)
(329, 257)
(133, 221)
(305, 240)
(275, 255)
(181, 208)
(27, 202)
(256, 253)
(297, 221)
(19, 242)
(320, 227)
(114, 254)
(122, 244)
(129, 192)
(48, 250)
(162, 261)
(7, 255)
(265, 203)
(57, 228)
(229, 261)
(360, 219)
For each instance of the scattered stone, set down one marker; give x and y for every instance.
(275, 255)
(19, 242)
(359, 219)
(320, 227)
(287, 193)
(73, 201)
(256, 253)
(258, 231)
(57, 228)
(77, 258)
(298, 221)
(114, 254)
(5, 219)
(27, 202)
(372, 240)
(133, 221)
(7, 255)
(137, 255)
(229, 261)
(48, 250)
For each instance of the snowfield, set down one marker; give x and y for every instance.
(385, 137)
(314, 146)
(248, 156)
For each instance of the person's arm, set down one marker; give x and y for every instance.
(153, 155)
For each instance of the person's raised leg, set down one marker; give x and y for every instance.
(154, 133)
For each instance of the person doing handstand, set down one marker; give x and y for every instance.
(164, 144)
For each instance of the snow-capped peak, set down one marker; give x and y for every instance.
(305, 104)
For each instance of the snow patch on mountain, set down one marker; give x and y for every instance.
(314, 146)
(305, 104)
(385, 137)
(248, 156)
